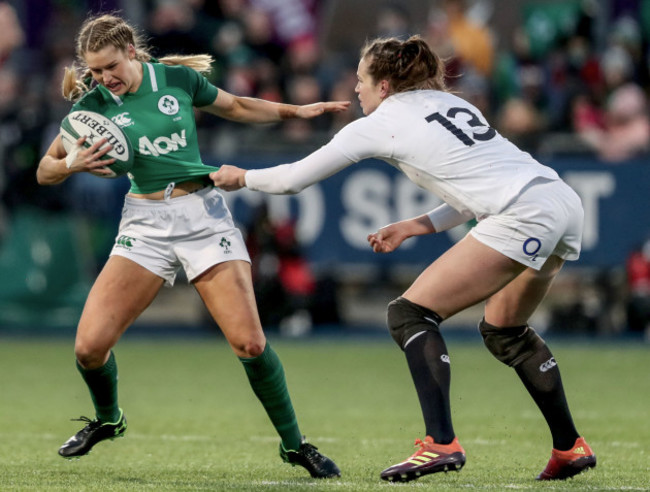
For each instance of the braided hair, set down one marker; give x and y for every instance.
(97, 33)
(407, 65)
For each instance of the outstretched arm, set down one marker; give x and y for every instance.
(285, 179)
(252, 110)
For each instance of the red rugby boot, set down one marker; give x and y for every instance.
(430, 458)
(565, 464)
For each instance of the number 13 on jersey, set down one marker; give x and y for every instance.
(468, 140)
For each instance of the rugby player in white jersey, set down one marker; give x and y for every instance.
(528, 223)
(172, 219)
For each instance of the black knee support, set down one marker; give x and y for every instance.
(405, 319)
(513, 345)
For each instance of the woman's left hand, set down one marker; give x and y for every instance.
(319, 108)
(229, 178)
(388, 238)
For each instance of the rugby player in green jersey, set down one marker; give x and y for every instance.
(172, 218)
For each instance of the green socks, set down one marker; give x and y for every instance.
(102, 383)
(266, 376)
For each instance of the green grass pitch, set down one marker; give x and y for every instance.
(194, 423)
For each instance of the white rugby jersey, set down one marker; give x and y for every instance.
(439, 141)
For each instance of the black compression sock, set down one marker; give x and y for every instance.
(541, 376)
(428, 360)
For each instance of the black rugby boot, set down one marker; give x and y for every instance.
(307, 456)
(95, 431)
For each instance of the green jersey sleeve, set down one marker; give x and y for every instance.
(195, 84)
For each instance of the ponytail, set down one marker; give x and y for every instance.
(407, 65)
(109, 30)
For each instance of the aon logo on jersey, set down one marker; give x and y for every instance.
(162, 145)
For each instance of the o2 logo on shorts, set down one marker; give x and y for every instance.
(531, 247)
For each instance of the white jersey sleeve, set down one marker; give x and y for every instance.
(352, 144)
(288, 179)
(446, 217)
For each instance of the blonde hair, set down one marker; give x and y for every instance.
(99, 32)
(407, 65)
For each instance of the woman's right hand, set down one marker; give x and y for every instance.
(229, 178)
(57, 165)
(81, 159)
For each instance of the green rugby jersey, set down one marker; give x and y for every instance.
(159, 120)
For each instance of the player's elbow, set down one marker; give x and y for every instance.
(292, 190)
(41, 179)
(287, 188)
(44, 178)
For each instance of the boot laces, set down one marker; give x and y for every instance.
(90, 424)
(310, 452)
(421, 444)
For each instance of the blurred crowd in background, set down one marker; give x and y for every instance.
(563, 77)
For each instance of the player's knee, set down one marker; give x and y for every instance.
(405, 319)
(90, 356)
(254, 348)
(248, 348)
(512, 345)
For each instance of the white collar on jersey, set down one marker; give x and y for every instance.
(152, 78)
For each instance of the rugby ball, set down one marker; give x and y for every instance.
(94, 127)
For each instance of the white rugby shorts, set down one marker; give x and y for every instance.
(194, 231)
(546, 219)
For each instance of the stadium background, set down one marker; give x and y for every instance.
(566, 80)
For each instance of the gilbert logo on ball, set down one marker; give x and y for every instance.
(95, 127)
